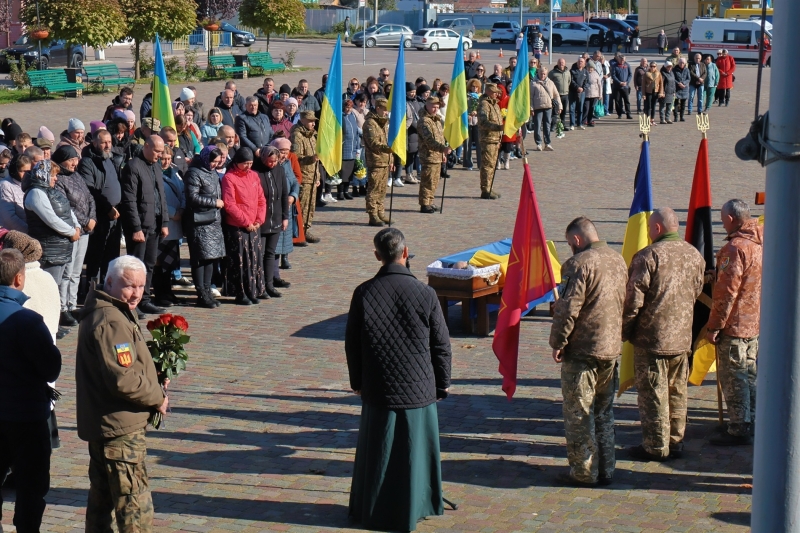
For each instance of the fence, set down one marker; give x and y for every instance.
(198, 39)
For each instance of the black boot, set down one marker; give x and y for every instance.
(340, 191)
(211, 297)
(161, 287)
(204, 298)
(346, 191)
(362, 190)
(285, 265)
(355, 191)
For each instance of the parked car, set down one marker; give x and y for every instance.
(383, 35)
(460, 26)
(504, 32)
(615, 24)
(54, 54)
(238, 37)
(438, 39)
(571, 32)
(597, 28)
(633, 18)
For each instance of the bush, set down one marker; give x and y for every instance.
(288, 57)
(191, 70)
(18, 72)
(173, 67)
(339, 28)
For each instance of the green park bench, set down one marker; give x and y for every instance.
(52, 81)
(226, 63)
(263, 60)
(106, 74)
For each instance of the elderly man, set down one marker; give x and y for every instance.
(622, 78)
(144, 213)
(562, 78)
(304, 144)
(697, 83)
(101, 175)
(238, 99)
(577, 93)
(252, 127)
(712, 80)
(638, 82)
(28, 361)
(379, 160)
(265, 95)
(471, 66)
(117, 391)
(585, 337)
(736, 318)
(309, 103)
(229, 108)
(664, 280)
(432, 153)
(490, 125)
(508, 72)
(398, 357)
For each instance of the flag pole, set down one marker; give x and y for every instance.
(719, 394)
(313, 195)
(444, 186)
(391, 197)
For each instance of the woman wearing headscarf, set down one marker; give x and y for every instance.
(273, 182)
(291, 111)
(81, 201)
(203, 220)
(169, 254)
(277, 119)
(12, 209)
(294, 228)
(50, 218)
(245, 211)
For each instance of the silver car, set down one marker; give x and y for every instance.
(383, 35)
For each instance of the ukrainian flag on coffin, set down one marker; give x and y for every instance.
(330, 137)
(636, 238)
(397, 108)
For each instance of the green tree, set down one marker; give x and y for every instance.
(274, 16)
(93, 22)
(170, 19)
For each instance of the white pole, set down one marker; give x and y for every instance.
(376, 12)
(364, 43)
(550, 40)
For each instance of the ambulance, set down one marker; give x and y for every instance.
(739, 36)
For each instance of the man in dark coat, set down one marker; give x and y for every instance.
(144, 213)
(252, 127)
(28, 361)
(398, 356)
(229, 108)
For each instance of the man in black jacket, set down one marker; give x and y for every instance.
(102, 177)
(144, 212)
(230, 109)
(577, 94)
(28, 361)
(398, 356)
(252, 127)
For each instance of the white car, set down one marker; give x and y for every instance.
(505, 31)
(570, 32)
(438, 39)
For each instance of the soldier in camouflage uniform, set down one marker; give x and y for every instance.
(664, 280)
(117, 391)
(304, 145)
(736, 318)
(490, 126)
(379, 160)
(432, 150)
(585, 337)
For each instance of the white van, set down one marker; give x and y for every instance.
(740, 37)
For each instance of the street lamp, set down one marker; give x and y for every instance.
(38, 21)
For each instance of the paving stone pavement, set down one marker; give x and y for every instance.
(263, 428)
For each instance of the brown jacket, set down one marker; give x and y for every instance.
(431, 138)
(490, 120)
(653, 83)
(376, 141)
(587, 318)
(736, 307)
(544, 94)
(304, 145)
(664, 280)
(115, 379)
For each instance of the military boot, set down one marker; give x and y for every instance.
(375, 221)
(490, 195)
(383, 217)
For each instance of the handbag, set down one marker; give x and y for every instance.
(639, 41)
(599, 109)
(203, 218)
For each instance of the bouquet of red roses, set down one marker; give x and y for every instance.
(167, 350)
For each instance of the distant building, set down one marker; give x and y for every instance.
(474, 6)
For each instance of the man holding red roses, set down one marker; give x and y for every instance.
(117, 392)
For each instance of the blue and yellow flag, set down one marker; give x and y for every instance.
(636, 238)
(397, 108)
(162, 103)
(330, 138)
(455, 116)
(519, 99)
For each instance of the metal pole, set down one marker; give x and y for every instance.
(376, 14)
(550, 40)
(776, 465)
(364, 43)
(39, 22)
(520, 16)
(761, 55)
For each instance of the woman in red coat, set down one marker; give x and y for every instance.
(726, 66)
(245, 212)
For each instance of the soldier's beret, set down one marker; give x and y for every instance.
(433, 100)
(308, 115)
(152, 123)
(491, 87)
(382, 103)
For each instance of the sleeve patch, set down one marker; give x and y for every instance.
(124, 357)
(724, 262)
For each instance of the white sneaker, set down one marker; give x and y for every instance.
(398, 183)
(216, 292)
(329, 198)
(538, 148)
(390, 183)
(581, 127)
(572, 128)
(548, 148)
(122, 242)
(560, 135)
(508, 164)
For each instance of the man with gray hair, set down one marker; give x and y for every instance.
(736, 318)
(117, 391)
(252, 127)
(664, 280)
(585, 337)
(398, 356)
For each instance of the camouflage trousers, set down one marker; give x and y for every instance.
(376, 190)
(429, 180)
(489, 153)
(737, 376)
(118, 486)
(661, 382)
(308, 202)
(588, 386)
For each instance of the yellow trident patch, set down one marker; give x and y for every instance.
(124, 357)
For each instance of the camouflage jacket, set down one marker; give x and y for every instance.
(664, 280)
(587, 318)
(490, 120)
(304, 146)
(431, 138)
(376, 141)
(736, 307)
